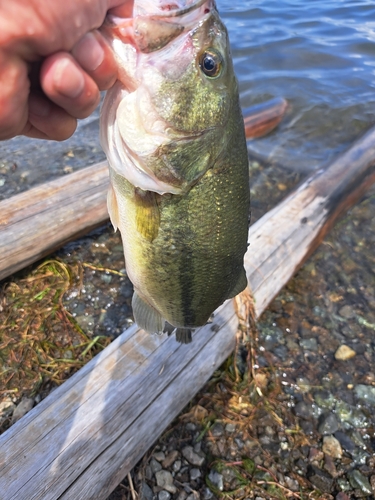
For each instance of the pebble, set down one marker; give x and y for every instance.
(159, 456)
(346, 443)
(195, 474)
(303, 410)
(164, 479)
(230, 428)
(344, 353)
(216, 479)
(7, 408)
(22, 408)
(192, 457)
(342, 496)
(328, 424)
(170, 459)
(206, 493)
(145, 492)
(309, 344)
(365, 393)
(164, 495)
(358, 480)
(217, 430)
(155, 466)
(320, 479)
(332, 447)
(176, 466)
(347, 312)
(193, 496)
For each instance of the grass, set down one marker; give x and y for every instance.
(41, 344)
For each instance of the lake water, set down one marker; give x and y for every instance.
(320, 56)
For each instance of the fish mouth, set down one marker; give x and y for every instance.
(169, 11)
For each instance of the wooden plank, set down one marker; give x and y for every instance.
(35, 223)
(85, 436)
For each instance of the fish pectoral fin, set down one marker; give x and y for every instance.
(113, 207)
(146, 317)
(183, 335)
(147, 214)
(239, 286)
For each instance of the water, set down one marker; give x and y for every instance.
(320, 56)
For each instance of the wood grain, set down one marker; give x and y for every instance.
(84, 437)
(35, 223)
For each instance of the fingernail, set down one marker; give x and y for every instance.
(39, 106)
(88, 52)
(68, 79)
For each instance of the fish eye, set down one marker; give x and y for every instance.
(211, 63)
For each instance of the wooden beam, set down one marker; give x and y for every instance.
(82, 440)
(35, 223)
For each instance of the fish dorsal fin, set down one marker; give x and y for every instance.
(113, 207)
(147, 214)
(239, 286)
(146, 316)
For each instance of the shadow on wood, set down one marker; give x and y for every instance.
(81, 441)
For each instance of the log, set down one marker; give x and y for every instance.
(83, 439)
(35, 223)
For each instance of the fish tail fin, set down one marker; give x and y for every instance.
(146, 317)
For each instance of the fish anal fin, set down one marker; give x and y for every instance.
(147, 214)
(183, 335)
(146, 317)
(112, 206)
(239, 286)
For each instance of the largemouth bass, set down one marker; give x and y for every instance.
(173, 133)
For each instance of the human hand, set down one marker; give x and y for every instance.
(53, 63)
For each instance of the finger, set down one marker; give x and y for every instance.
(96, 57)
(14, 85)
(68, 85)
(48, 121)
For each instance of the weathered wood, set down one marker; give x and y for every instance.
(263, 118)
(35, 223)
(84, 437)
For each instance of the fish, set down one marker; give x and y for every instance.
(173, 133)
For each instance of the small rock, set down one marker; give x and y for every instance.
(192, 457)
(328, 424)
(372, 481)
(22, 408)
(332, 447)
(159, 456)
(195, 474)
(170, 459)
(346, 443)
(216, 479)
(176, 466)
(329, 466)
(230, 428)
(309, 344)
(303, 410)
(342, 496)
(190, 426)
(164, 495)
(347, 312)
(148, 472)
(182, 495)
(365, 393)
(358, 480)
(155, 466)
(292, 484)
(217, 430)
(343, 484)
(193, 496)
(320, 479)
(164, 479)
(145, 492)
(7, 408)
(344, 352)
(207, 493)
(325, 399)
